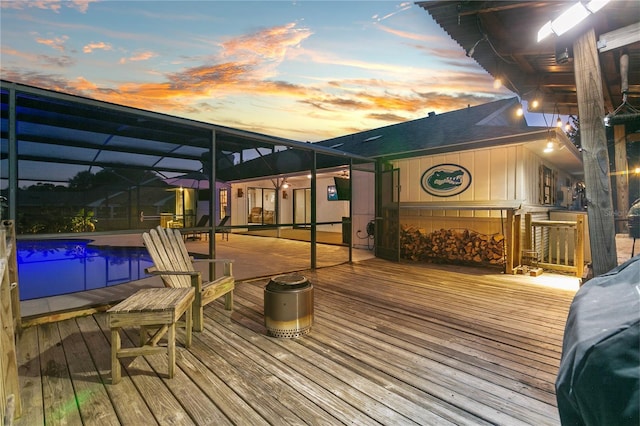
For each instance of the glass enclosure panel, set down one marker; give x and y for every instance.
(302, 206)
(261, 205)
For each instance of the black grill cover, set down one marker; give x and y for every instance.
(599, 378)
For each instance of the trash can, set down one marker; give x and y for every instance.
(634, 220)
(288, 306)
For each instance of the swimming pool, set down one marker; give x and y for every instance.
(54, 267)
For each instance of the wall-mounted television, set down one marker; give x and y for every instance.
(343, 188)
(332, 193)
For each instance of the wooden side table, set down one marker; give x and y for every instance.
(151, 307)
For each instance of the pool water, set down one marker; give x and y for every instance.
(54, 267)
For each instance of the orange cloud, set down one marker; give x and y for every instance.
(407, 35)
(89, 48)
(55, 5)
(142, 56)
(393, 118)
(324, 58)
(55, 43)
(269, 44)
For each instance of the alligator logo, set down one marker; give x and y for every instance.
(446, 180)
(443, 180)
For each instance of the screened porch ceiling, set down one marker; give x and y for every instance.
(59, 135)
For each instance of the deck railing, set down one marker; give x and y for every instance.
(558, 244)
(10, 403)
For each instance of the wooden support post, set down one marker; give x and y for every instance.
(9, 379)
(594, 153)
(510, 244)
(578, 257)
(517, 239)
(622, 177)
(527, 231)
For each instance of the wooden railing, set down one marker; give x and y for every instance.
(10, 325)
(559, 244)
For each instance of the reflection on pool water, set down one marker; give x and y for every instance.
(53, 267)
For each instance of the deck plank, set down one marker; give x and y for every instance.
(391, 344)
(59, 399)
(91, 395)
(441, 381)
(129, 405)
(164, 406)
(28, 358)
(288, 361)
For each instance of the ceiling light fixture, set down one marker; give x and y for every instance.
(559, 122)
(570, 18)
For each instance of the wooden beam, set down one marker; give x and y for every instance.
(619, 38)
(594, 153)
(496, 6)
(622, 176)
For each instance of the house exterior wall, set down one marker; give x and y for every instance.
(326, 211)
(511, 172)
(497, 174)
(363, 199)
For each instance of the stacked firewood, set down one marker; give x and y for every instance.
(451, 246)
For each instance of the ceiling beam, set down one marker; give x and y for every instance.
(474, 8)
(619, 38)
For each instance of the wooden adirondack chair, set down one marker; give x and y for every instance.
(174, 265)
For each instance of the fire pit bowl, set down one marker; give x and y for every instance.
(288, 306)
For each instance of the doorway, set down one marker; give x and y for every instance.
(301, 207)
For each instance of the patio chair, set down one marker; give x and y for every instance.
(223, 229)
(176, 268)
(197, 233)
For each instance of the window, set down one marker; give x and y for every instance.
(223, 198)
(548, 186)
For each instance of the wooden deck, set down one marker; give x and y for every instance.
(391, 344)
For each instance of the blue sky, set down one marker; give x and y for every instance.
(305, 70)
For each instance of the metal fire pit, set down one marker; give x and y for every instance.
(288, 306)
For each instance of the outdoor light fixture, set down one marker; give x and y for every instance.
(549, 147)
(471, 51)
(570, 18)
(534, 100)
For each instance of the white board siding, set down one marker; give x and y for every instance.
(482, 225)
(496, 174)
(499, 173)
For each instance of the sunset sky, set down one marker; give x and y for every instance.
(304, 70)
